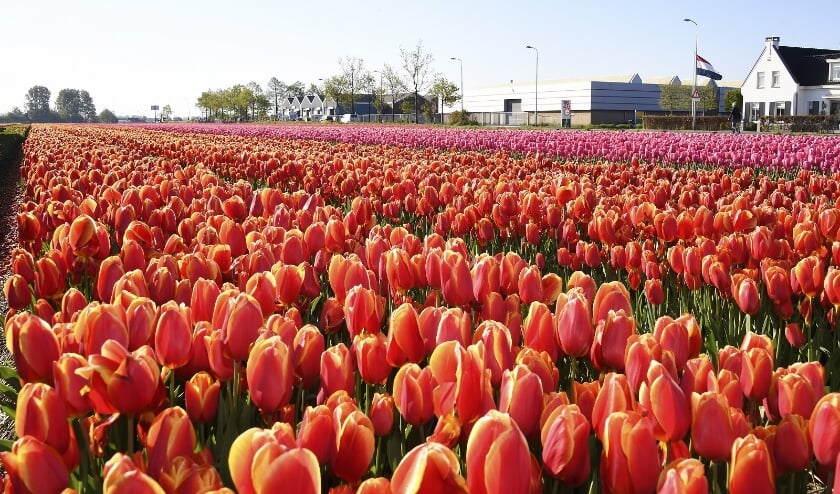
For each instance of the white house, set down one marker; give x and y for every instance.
(789, 80)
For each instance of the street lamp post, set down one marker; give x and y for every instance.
(694, 69)
(536, 85)
(461, 62)
(381, 94)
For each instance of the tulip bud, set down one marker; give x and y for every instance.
(824, 428)
(751, 467)
(565, 441)
(498, 459)
(201, 395)
(684, 476)
(429, 468)
(382, 414)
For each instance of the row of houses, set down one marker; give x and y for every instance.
(783, 81)
(314, 106)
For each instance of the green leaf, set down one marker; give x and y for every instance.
(6, 444)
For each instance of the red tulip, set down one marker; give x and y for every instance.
(40, 413)
(712, 428)
(98, 323)
(363, 311)
(49, 278)
(173, 335)
(538, 330)
(683, 476)
(370, 352)
(123, 382)
(745, 293)
(34, 347)
(807, 277)
(486, 277)
(201, 396)
(308, 347)
(399, 270)
(756, 371)
(69, 384)
(429, 468)
(336, 372)
(270, 374)
(171, 435)
(792, 446)
(497, 458)
(751, 468)
(456, 283)
(17, 292)
(530, 285)
(611, 336)
(615, 396)
(663, 397)
(521, 396)
(463, 384)
(630, 459)
(824, 428)
(239, 318)
(33, 467)
(317, 433)
(354, 439)
(565, 441)
(413, 394)
(376, 485)
(185, 474)
(122, 475)
(280, 469)
(405, 343)
(382, 414)
(610, 296)
(573, 323)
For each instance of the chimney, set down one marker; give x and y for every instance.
(770, 42)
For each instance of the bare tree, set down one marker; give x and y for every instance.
(393, 84)
(417, 66)
(276, 91)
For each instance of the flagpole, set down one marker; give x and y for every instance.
(694, 84)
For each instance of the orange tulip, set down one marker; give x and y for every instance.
(317, 433)
(683, 476)
(171, 435)
(792, 446)
(354, 439)
(756, 371)
(611, 336)
(34, 347)
(538, 330)
(17, 292)
(280, 469)
(398, 270)
(201, 397)
(337, 372)
(615, 396)
(363, 311)
(413, 393)
(33, 467)
(654, 292)
(486, 277)
(40, 413)
(824, 428)
(573, 323)
(751, 467)
(613, 296)
(807, 277)
(455, 280)
(376, 485)
(405, 343)
(712, 428)
(370, 350)
(663, 397)
(98, 323)
(308, 347)
(69, 384)
(565, 441)
(530, 285)
(49, 278)
(270, 374)
(123, 382)
(497, 459)
(745, 293)
(173, 335)
(382, 414)
(122, 475)
(463, 383)
(630, 459)
(239, 318)
(429, 468)
(186, 475)
(521, 396)
(203, 298)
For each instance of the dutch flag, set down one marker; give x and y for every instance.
(705, 69)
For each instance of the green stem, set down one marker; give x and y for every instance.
(129, 429)
(84, 453)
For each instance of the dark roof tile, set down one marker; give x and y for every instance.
(808, 66)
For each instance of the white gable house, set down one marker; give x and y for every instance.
(789, 80)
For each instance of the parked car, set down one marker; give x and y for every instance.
(349, 118)
(327, 118)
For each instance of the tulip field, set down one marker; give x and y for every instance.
(387, 309)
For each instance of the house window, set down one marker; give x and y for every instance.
(774, 78)
(755, 111)
(779, 108)
(759, 80)
(834, 71)
(814, 107)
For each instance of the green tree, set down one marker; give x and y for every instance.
(446, 90)
(674, 97)
(38, 104)
(107, 116)
(276, 92)
(416, 64)
(344, 87)
(166, 113)
(733, 97)
(296, 89)
(86, 107)
(68, 104)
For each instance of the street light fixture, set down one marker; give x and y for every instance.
(694, 84)
(536, 85)
(461, 62)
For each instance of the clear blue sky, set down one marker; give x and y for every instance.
(129, 55)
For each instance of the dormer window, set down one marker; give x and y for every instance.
(834, 71)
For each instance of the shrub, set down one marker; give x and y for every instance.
(462, 118)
